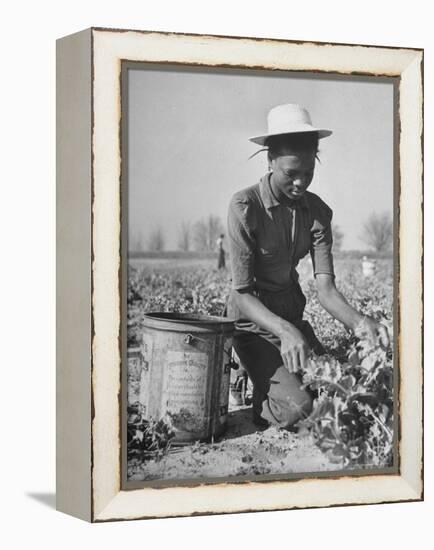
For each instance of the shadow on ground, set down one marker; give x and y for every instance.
(47, 499)
(240, 422)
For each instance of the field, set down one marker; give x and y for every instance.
(352, 423)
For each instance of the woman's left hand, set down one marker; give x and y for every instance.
(376, 332)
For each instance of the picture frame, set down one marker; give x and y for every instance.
(90, 271)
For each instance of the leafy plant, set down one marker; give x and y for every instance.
(147, 437)
(352, 418)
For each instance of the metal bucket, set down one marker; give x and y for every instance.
(182, 372)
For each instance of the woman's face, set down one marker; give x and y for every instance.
(292, 173)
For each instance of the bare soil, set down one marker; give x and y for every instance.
(244, 450)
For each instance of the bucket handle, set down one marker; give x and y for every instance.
(190, 339)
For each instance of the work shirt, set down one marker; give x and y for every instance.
(267, 239)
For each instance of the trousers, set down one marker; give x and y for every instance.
(278, 397)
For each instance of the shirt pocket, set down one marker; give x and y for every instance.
(268, 252)
(269, 258)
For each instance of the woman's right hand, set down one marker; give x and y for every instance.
(293, 348)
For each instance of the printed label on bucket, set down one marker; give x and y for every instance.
(184, 390)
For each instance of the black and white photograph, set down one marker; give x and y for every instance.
(218, 258)
(260, 293)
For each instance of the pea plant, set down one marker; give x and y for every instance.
(353, 414)
(147, 438)
(352, 417)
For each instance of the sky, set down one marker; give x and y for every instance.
(188, 145)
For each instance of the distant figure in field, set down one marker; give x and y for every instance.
(221, 263)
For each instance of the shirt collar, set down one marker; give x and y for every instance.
(270, 201)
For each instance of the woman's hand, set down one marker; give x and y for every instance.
(375, 332)
(335, 303)
(293, 348)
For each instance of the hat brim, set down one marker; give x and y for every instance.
(322, 133)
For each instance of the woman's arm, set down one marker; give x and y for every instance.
(293, 347)
(335, 303)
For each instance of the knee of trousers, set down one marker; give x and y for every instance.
(288, 412)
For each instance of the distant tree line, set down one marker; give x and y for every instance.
(377, 232)
(201, 236)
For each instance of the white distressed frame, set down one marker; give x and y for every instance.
(109, 47)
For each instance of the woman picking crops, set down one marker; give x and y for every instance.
(271, 226)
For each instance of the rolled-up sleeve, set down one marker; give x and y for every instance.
(322, 239)
(241, 243)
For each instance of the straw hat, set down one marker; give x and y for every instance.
(289, 118)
